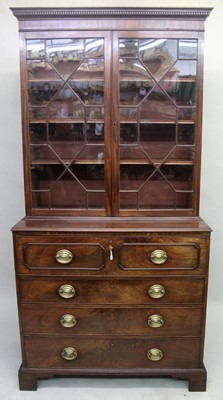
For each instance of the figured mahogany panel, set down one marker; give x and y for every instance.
(184, 291)
(111, 321)
(112, 353)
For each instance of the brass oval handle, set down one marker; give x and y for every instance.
(69, 353)
(156, 291)
(155, 321)
(68, 320)
(64, 256)
(67, 291)
(154, 354)
(158, 256)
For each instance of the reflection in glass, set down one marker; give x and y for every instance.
(94, 47)
(66, 105)
(180, 83)
(188, 49)
(41, 93)
(133, 92)
(90, 92)
(128, 47)
(35, 48)
(133, 68)
(40, 69)
(158, 55)
(63, 50)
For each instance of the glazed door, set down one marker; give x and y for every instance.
(156, 125)
(68, 122)
(113, 125)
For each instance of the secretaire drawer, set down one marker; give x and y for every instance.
(123, 255)
(155, 290)
(76, 320)
(112, 353)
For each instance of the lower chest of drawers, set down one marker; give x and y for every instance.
(111, 308)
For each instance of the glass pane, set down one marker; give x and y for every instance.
(35, 48)
(128, 133)
(79, 186)
(187, 114)
(158, 107)
(135, 82)
(158, 55)
(179, 176)
(180, 83)
(186, 133)
(134, 153)
(39, 69)
(180, 154)
(37, 114)
(128, 47)
(44, 176)
(188, 49)
(64, 54)
(38, 133)
(66, 106)
(41, 93)
(87, 81)
(62, 50)
(157, 194)
(94, 47)
(168, 187)
(157, 140)
(66, 132)
(91, 153)
(43, 154)
(132, 176)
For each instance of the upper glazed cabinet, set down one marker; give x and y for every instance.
(112, 117)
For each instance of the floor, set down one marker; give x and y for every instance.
(113, 388)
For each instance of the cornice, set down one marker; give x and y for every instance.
(48, 13)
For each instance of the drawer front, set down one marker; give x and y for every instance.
(152, 291)
(89, 256)
(112, 353)
(74, 321)
(159, 256)
(112, 255)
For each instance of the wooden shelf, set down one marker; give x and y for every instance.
(66, 162)
(156, 162)
(72, 120)
(158, 122)
(101, 162)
